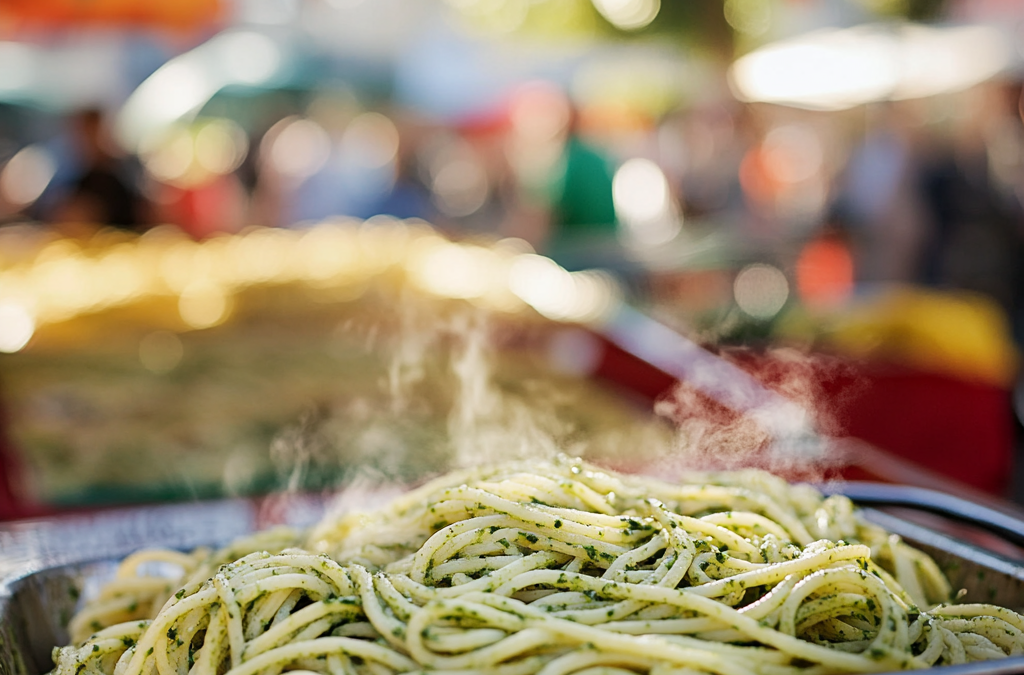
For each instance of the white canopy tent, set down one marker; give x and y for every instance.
(836, 69)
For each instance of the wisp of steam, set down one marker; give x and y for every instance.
(450, 398)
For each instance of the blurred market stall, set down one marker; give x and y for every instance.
(715, 209)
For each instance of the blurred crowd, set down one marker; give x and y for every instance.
(924, 191)
(527, 170)
(868, 204)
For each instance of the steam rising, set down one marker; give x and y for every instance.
(450, 398)
(786, 434)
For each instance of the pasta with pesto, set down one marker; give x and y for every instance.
(555, 569)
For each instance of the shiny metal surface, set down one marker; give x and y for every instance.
(47, 566)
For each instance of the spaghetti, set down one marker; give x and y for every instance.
(553, 569)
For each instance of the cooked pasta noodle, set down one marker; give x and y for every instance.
(554, 569)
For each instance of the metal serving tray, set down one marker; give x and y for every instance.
(48, 566)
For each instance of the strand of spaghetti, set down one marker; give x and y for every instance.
(906, 571)
(746, 520)
(954, 651)
(892, 632)
(213, 648)
(471, 565)
(651, 646)
(526, 666)
(547, 630)
(164, 621)
(526, 512)
(715, 494)
(307, 582)
(443, 544)
(129, 567)
(664, 626)
(86, 622)
(979, 647)
(453, 640)
(136, 585)
(617, 570)
(1002, 633)
(263, 611)
(686, 599)
(775, 573)
(671, 521)
(236, 640)
(323, 565)
(575, 662)
(520, 640)
(390, 628)
(680, 541)
(275, 635)
(162, 656)
(830, 606)
(540, 559)
(325, 646)
(975, 609)
(772, 601)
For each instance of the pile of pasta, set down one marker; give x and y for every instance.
(553, 569)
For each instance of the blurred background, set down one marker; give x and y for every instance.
(256, 245)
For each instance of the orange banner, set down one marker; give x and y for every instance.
(173, 14)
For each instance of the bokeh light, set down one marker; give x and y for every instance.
(458, 178)
(628, 14)
(832, 72)
(750, 17)
(204, 305)
(297, 147)
(26, 175)
(17, 325)
(160, 352)
(543, 284)
(118, 276)
(560, 295)
(951, 59)
(18, 65)
(793, 153)
(168, 158)
(248, 57)
(460, 187)
(760, 290)
(840, 69)
(643, 202)
(372, 140)
(456, 271)
(177, 89)
(539, 111)
(220, 146)
(825, 273)
(186, 155)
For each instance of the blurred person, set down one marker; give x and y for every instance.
(701, 149)
(193, 172)
(583, 194)
(971, 198)
(203, 208)
(338, 160)
(409, 195)
(879, 200)
(472, 184)
(104, 191)
(559, 170)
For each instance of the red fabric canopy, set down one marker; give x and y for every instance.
(177, 15)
